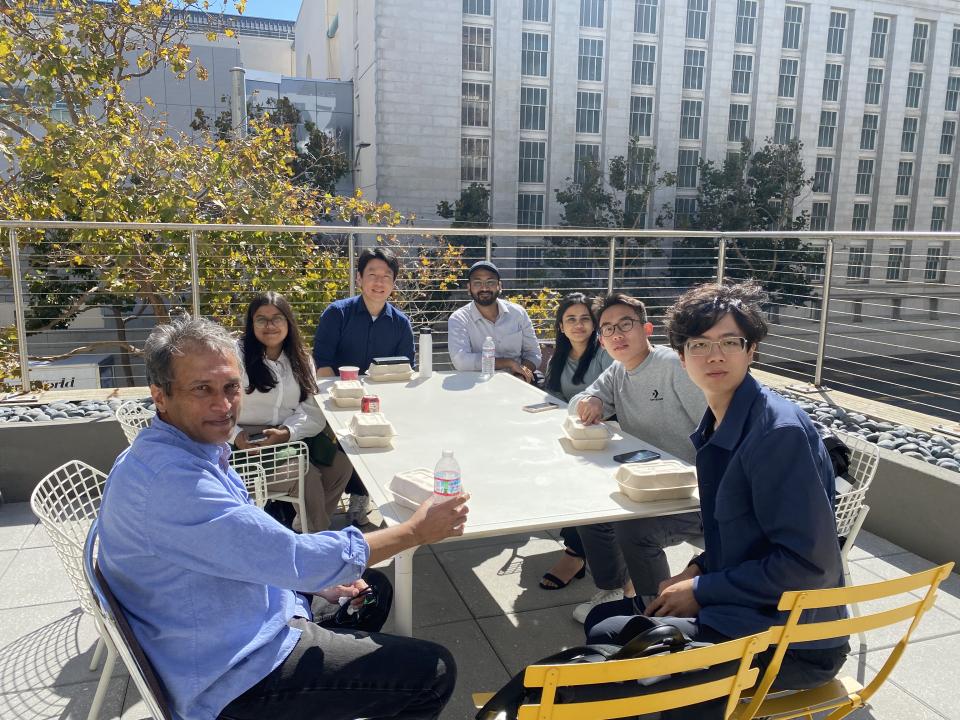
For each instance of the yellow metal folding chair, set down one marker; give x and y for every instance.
(842, 695)
(730, 683)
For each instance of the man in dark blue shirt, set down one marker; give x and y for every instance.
(766, 493)
(355, 330)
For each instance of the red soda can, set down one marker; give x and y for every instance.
(370, 404)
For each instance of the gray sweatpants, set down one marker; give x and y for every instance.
(634, 548)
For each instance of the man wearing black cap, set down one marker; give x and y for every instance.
(488, 316)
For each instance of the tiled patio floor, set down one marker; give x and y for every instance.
(478, 598)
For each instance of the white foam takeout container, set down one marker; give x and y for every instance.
(657, 480)
(371, 430)
(413, 487)
(586, 437)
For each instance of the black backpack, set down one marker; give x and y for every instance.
(837, 449)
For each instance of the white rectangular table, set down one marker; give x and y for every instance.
(520, 474)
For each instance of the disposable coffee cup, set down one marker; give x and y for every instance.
(349, 372)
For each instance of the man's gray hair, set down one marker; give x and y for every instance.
(174, 340)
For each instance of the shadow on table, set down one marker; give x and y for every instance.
(461, 381)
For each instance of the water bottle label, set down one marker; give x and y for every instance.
(446, 485)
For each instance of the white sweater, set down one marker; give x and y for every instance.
(281, 406)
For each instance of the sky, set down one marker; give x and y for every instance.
(277, 9)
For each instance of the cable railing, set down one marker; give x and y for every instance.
(873, 314)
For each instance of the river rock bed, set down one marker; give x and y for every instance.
(65, 410)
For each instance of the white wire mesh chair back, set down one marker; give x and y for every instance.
(255, 479)
(864, 457)
(133, 417)
(67, 501)
(282, 465)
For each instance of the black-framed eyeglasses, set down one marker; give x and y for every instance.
(624, 326)
(262, 321)
(485, 284)
(728, 346)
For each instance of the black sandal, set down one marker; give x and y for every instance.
(558, 584)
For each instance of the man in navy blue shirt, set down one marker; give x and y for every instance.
(766, 493)
(355, 330)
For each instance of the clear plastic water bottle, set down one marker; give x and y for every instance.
(446, 476)
(488, 359)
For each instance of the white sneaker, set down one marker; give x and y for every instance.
(357, 511)
(581, 611)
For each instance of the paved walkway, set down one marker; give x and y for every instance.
(479, 598)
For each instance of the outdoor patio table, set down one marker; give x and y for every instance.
(521, 476)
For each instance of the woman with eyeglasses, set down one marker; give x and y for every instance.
(279, 383)
(577, 361)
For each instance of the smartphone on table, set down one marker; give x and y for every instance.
(540, 407)
(637, 456)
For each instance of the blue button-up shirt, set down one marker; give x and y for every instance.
(766, 492)
(205, 577)
(347, 335)
(512, 333)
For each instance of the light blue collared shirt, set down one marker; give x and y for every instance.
(512, 334)
(206, 578)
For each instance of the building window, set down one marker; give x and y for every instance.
(639, 162)
(955, 48)
(836, 32)
(641, 116)
(904, 177)
(585, 155)
(896, 256)
(529, 257)
(868, 131)
(864, 176)
(818, 216)
(934, 308)
(831, 82)
(783, 126)
(896, 308)
(856, 258)
(953, 93)
(475, 104)
(908, 136)
(787, 87)
(645, 16)
(590, 61)
(900, 214)
(914, 88)
(948, 132)
(739, 120)
(742, 74)
(933, 266)
(822, 175)
(828, 128)
(644, 63)
(936, 222)
(532, 154)
(588, 112)
(697, 19)
(693, 69)
(918, 50)
(874, 86)
(476, 7)
(687, 161)
(476, 48)
(690, 113)
(878, 38)
(685, 209)
(533, 108)
(536, 10)
(857, 311)
(861, 215)
(942, 184)
(474, 159)
(591, 13)
(746, 22)
(529, 211)
(792, 25)
(533, 56)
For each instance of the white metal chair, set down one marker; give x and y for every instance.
(255, 478)
(67, 501)
(282, 465)
(113, 624)
(133, 417)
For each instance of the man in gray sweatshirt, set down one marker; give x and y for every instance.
(654, 399)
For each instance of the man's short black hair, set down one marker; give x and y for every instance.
(379, 253)
(702, 307)
(606, 302)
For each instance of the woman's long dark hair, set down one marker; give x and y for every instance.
(563, 346)
(261, 377)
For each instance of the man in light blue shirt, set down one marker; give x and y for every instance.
(212, 585)
(517, 349)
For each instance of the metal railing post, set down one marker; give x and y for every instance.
(489, 255)
(824, 312)
(19, 312)
(352, 262)
(721, 259)
(611, 265)
(194, 274)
